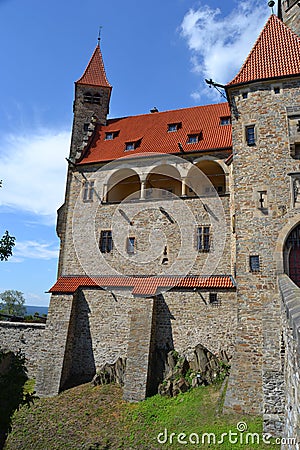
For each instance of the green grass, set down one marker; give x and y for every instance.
(91, 418)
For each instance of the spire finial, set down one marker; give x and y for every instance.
(271, 3)
(99, 35)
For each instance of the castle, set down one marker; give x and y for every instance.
(176, 226)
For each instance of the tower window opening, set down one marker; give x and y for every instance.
(245, 95)
(276, 90)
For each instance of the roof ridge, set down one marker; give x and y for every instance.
(167, 111)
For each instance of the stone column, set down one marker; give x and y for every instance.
(183, 187)
(104, 198)
(143, 186)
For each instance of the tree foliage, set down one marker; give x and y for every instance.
(7, 243)
(12, 302)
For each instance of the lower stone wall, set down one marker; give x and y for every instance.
(291, 336)
(100, 326)
(26, 337)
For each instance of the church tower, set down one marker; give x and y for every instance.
(91, 104)
(289, 12)
(265, 104)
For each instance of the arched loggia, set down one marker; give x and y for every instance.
(123, 183)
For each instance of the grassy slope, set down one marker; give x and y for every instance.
(87, 417)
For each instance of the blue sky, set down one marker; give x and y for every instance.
(156, 54)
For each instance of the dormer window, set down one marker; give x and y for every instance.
(174, 126)
(129, 146)
(132, 145)
(193, 138)
(225, 120)
(110, 135)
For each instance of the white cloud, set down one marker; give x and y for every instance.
(33, 169)
(33, 250)
(220, 44)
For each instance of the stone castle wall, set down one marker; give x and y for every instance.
(101, 325)
(291, 339)
(26, 337)
(264, 167)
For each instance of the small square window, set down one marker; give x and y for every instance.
(276, 90)
(225, 121)
(245, 95)
(172, 126)
(193, 138)
(109, 135)
(254, 263)
(106, 242)
(250, 135)
(213, 299)
(86, 127)
(203, 239)
(88, 191)
(129, 146)
(131, 245)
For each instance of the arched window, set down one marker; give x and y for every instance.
(292, 255)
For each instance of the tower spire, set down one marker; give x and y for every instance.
(99, 35)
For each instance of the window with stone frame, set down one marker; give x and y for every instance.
(88, 190)
(106, 242)
(254, 263)
(250, 135)
(203, 239)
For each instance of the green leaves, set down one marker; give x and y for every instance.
(7, 242)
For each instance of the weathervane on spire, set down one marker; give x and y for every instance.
(271, 3)
(99, 34)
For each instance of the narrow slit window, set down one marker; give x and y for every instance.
(250, 135)
(131, 245)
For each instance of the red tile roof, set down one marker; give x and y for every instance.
(94, 74)
(276, 53)
(152, 131)
(142, 286)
